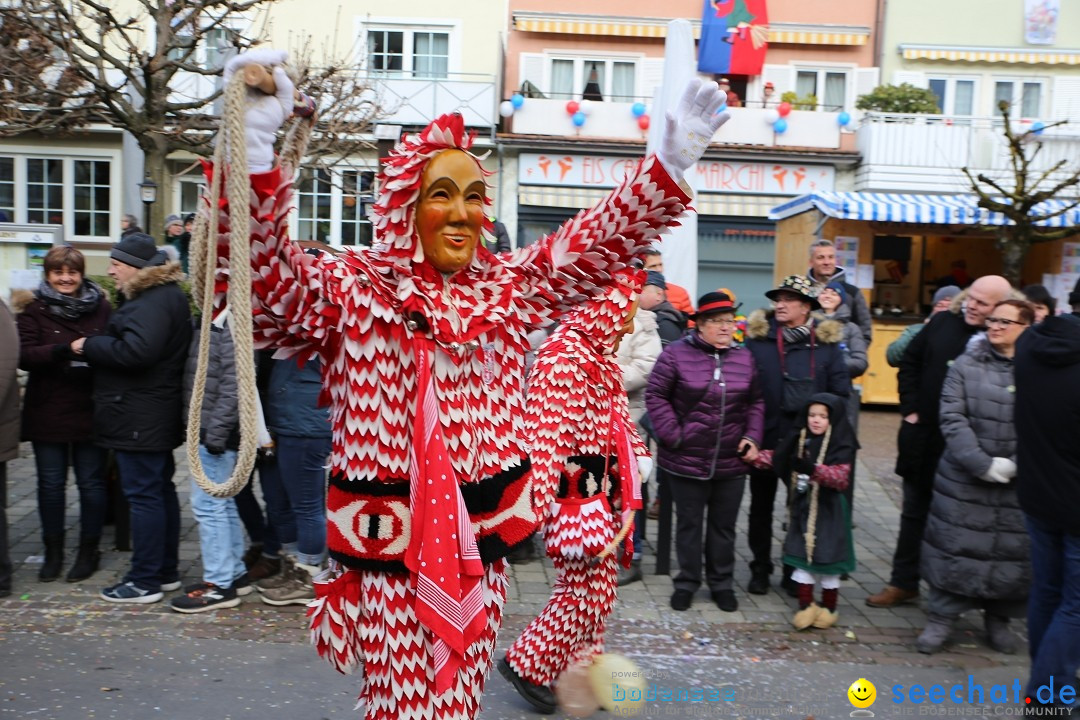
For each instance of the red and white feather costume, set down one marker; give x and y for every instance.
(584, 458)
(354, 310)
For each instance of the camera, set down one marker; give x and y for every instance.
(802, 482)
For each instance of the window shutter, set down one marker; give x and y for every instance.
(531, 70)
(780, 76)
(652, 74)
(866, 79)
(913, 77)
(1066, 100)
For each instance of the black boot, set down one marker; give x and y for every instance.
(54, 558)
(86, 562)
(759, 581)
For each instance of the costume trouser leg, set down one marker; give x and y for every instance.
(570, 628)
(919, 447)
(396, 651)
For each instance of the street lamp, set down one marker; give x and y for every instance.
(148, 193)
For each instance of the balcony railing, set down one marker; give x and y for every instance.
(418, 100)
(615, 120)
(926, 152)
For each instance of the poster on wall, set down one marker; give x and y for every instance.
(1070, 257)
(1040, 21)
(734, 37)
(847, 255)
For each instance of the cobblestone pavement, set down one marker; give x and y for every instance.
(643, 625)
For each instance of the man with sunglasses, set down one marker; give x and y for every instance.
(920, 443)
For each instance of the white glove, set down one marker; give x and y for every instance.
(644, 466)
(1002, 470)
(265, 113)
(690, 128)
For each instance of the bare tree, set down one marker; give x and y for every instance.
(65, 64)
(1030, 187)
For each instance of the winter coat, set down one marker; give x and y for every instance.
(58, 407)
(670, 322)
(9, 386)
(860, 311)
(830, 373)
(853, 343)
(927, 359)
(139, 364)
(702, 401)
(636, 356)
(975, 543)
(1047, 416)
(220, 416)
(292, 400)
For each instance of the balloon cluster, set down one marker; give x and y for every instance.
(638, 111)
(578, 111)
(507, 107)
(777, 117)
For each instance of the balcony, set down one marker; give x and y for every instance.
(418, 101)
(615, 121)
(924, 153)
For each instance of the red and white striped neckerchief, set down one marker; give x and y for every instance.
(442, 554)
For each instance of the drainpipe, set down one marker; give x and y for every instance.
(879, 41)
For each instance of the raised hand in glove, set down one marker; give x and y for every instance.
(689, 129)
(645, 466)
(1002, 470)
(803, 466)
(265, 113)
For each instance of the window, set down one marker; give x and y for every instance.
(419, 53)
(7, 189)
(45, 191)
(593, 79)
(955, 96)
(91, 188)
(828, 87)
(357, 193)
(1023, 96)
(314, 205)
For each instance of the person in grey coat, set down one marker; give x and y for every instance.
(976, 552)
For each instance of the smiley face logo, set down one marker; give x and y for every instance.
(862, 693)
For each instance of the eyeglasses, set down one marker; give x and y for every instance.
(1002, 322)
(722, 322)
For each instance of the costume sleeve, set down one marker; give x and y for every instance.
(955, 421)
(575, 262)
(555, 404)
(296, 297)
(836, 477)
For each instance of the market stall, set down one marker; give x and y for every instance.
(899, 248)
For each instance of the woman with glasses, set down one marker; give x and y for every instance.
(705, 402)
(975, 552)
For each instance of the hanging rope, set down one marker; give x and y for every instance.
(230, 162)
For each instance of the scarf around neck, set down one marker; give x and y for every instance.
(71, 307)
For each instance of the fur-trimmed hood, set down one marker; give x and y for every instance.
(153, 276)
(20, 300)
(760, 325)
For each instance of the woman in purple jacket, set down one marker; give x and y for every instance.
(705, 404)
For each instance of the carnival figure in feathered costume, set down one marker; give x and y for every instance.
(422, 339)
(587, 461)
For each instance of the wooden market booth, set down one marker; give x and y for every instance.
(913, 243)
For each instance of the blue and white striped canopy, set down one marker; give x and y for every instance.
(920, 209)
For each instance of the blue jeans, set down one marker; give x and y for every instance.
(1053, 608)
(221, 535)
(147, 481)
(52, 460)
(294, 488)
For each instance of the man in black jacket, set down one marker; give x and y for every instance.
(138, 374)
(1047, 419)
(796, 356)
(670, 322)
(920, 443)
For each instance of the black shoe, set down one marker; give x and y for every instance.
(540, 697)
(759, 583)
(725, 600)
(790, 587)
(54, 558)
(86, 562)
(204, 597)
(682, 600)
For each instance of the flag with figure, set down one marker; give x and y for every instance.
(734, 37)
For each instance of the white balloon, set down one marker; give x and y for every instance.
(771, 116)
(506, 108)
(586, 107)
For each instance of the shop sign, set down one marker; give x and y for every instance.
(712, 176)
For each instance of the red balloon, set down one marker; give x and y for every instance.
(643, 122)
(572, 107)
(783, 109)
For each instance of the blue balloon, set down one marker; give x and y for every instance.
(578, 118)
(843, 119)
(780, 126)
(1037, 127)
(517, 100)
(638, 109)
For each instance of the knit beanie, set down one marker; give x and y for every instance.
(137, 250)
(947, 292)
